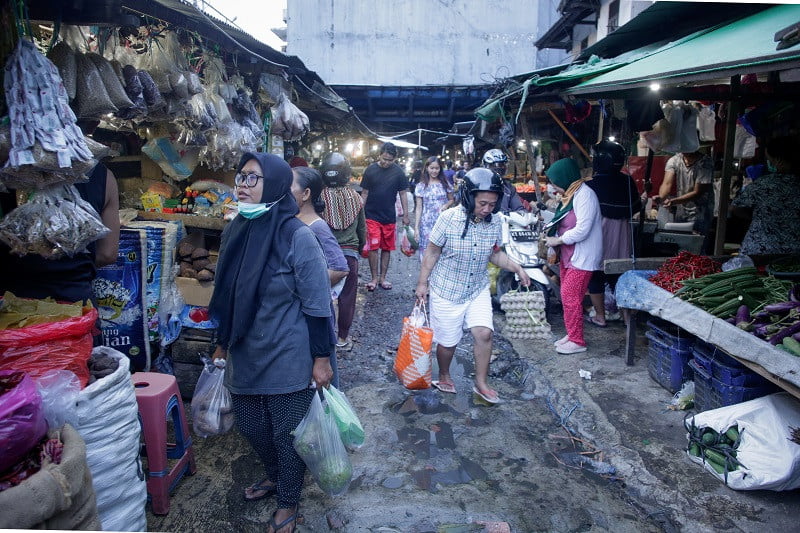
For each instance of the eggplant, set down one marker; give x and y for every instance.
(785, 332)
(742, 315)
(794, 293)
(762, 317)
(781, 308)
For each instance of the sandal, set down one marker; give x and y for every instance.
(371, 286)
(292, 518)
(345, 346)
(489, 396)
(385, 285)
(444, 386)
(261, 486)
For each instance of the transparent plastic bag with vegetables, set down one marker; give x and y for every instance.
(212, 408)
(350, 428)
(318, 443)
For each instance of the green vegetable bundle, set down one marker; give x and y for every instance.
(722, 294)
(719, 450)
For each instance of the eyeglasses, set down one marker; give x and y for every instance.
(248, 180)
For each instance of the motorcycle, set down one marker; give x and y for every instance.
(520, 238)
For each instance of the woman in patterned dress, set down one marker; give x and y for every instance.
(434, 194)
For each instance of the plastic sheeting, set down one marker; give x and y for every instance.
(634, 291)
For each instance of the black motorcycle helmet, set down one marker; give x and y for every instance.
(335, 170)
(608, 157)
(477, 180)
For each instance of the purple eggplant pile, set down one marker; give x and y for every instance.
(777, 323)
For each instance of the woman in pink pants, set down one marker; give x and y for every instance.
(577, 232)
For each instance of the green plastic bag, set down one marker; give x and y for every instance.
(350, 428)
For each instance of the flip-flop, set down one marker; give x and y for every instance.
(488, 399)
(386, 286)
(444, 386)
(277, 527)
(371, 286)
(591, 321)
(261, 486)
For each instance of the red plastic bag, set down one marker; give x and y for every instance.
(63, 345)
(22, 423)
(413, 361)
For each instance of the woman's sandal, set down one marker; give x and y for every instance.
(277, 527)
(371, 286)
(261, 486)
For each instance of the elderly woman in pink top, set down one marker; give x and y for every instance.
(577, 232)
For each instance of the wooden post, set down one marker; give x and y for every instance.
(727, 168)
(523, 128)
(569, 134)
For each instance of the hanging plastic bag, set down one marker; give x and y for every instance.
(317, 442)
(350, 428)
(412, 363)
(212, 409)
(91, 98)
(408, 244)
(63, 57)
(22, 423)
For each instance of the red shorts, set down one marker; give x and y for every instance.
(380, 236)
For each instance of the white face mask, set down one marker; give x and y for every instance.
(551, 191)
(251, 211)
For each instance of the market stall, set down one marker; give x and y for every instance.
(636, 292)
(148, 109)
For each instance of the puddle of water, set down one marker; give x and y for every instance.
(467, 471)
(444, 436)
(417, 440)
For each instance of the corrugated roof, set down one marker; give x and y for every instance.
(744, 45)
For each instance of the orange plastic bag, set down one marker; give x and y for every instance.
(62, 345)
(413, 361)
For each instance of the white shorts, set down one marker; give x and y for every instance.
(449, 320)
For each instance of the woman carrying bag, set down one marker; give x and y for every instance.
(272, 302)
(462, 242)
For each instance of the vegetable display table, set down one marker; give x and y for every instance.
(635, 292)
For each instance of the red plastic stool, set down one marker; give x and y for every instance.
(159, 399)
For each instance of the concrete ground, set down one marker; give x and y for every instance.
(436, 462)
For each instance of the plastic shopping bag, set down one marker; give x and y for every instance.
(212, 410)
(22, 422)
(350, 428)
(413, 361)
(408, 242)
(62, 345)
(317, 442)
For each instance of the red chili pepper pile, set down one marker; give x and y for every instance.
(683, 266)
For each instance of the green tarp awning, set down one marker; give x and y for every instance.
(746, 44)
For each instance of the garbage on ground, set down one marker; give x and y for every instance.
(684, 398)
(585, 374)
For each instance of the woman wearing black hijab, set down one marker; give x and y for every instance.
(272, 302)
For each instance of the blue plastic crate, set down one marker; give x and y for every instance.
(702, 387)
(670, 334)
(710, 393)
(666, 364)
(736, 374)
(702, 359)
(706, 350)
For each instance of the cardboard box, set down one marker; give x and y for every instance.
(195, 292)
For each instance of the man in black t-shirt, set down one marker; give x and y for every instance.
(381, 182)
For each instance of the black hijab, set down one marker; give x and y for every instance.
(252, 249)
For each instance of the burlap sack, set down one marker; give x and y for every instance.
(57, 497)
